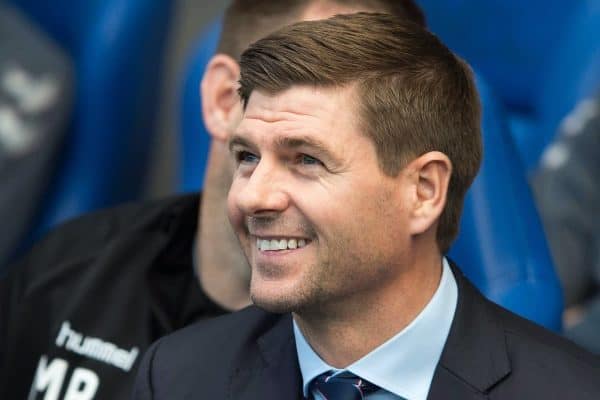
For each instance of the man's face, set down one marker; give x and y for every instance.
(318, 221)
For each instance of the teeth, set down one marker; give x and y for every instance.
(265, 245)
(279, 244)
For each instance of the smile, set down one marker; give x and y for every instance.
(277, 244)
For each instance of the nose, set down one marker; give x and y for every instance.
(262, 192)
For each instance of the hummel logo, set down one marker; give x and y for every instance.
(95, 348)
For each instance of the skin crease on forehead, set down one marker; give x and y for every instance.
(222, 267)
(359, 260)
(325, 9)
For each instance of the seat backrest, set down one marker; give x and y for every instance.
(507, 41)
(36, 94)
(501, 246)
(573, 74)
(194, 139)
(539, 56)
(116, 47)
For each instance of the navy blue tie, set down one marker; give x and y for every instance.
(344, 386)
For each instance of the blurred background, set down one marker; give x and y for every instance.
(192, 19)
(99, 105)
(113, 73)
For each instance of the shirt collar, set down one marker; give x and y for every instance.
(405, 364)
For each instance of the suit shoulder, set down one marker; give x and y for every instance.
(249, 321)
(524, 332)
(219, 338)
(536, 351)
(210, 350)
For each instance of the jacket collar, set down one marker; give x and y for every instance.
(272, 372)
(475, 357)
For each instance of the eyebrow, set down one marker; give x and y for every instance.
(289, 143)
(320, 149)
(237, 140)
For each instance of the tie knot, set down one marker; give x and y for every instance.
(343, 386)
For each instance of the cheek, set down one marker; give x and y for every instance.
(336, 213)
(373, 215)
(233, 211)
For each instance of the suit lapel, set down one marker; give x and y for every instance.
(445, 386)
(269, 371)
(475, 357)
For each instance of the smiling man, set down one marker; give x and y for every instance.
(359, 139)
(80, 309)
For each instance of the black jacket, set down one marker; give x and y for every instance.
(490, 354)
(83, 306)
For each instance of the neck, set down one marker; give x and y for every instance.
(223, 270)
(341, 335)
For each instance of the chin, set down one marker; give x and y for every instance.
(276, 306)
(275, 297)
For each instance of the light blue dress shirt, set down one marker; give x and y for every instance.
(403, 366)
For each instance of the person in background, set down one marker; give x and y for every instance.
(567, 193)
(359, 139)
(80, 308)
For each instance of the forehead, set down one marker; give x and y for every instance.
(325, 9)
(327, 112)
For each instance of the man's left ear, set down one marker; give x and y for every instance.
(430, 177)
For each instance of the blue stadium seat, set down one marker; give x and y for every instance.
(540, 56)
(194, 139)
(501, 246)
(507, 41)
(116, 47)
(573, 74)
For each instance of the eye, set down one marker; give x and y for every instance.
(305, 159)
(245, 157)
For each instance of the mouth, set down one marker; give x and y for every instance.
(277, 244)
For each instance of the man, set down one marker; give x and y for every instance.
(359, 139)
(79, 310)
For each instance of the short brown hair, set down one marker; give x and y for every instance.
(415, 96)
(246, 21)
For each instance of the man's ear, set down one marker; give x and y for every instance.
(430, 177)
(221, 107)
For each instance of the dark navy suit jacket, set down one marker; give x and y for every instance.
(490, 353)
